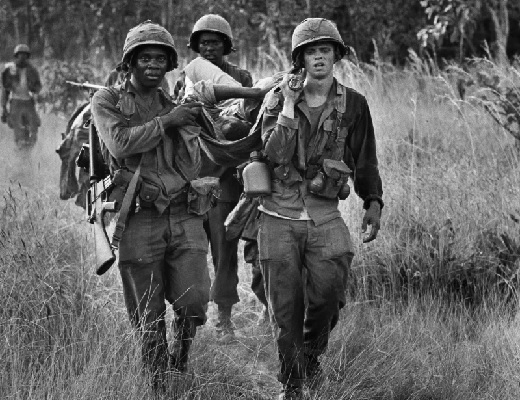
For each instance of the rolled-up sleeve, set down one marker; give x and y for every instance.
(362, 145)
(122, 140)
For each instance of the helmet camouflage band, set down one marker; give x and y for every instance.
(314, 30)
(149, 33)
(212, 23)
(22, 48)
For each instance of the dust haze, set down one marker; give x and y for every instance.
(37, 168)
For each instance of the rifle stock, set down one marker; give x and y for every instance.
(105, 256)
(97, 204)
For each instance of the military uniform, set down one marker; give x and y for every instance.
(224, 252)
(20, 83)
(162, 252)
(301, 229)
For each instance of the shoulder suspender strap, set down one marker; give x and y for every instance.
(125, 207)
(341, 105)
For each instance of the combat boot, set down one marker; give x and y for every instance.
(313, 372)
(225, 328)
(290, 392)
(185, 332)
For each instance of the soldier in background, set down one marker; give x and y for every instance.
(212, 38)
(20, 83)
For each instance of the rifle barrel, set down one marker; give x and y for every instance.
(85, 85)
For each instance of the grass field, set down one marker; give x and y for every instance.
(432, 310)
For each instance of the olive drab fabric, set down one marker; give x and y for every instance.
(20, 84)
(73, 180)
(316, 30)
(11, 77)
(148, 33)
(212, 23)
(345, 133)
(168, 167)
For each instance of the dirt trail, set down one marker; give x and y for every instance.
(37, 168)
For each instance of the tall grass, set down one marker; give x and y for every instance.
(432, 312)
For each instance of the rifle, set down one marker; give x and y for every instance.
(86, 86)
(98, 192)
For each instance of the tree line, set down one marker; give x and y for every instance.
(94, 30)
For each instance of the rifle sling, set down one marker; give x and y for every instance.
(125, 208)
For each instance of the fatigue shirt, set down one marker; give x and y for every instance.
(129, 128)
(11, 79)
(291, 148)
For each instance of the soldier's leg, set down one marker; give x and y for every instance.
(327, 259)
(33, 120)
(141, 264)
(15, 118)
(257, 281)
(225, 262)
(281, 244)
(187, 280)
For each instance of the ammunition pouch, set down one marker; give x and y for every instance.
(331, 181)
(238, 217)
(148, 193)
(203, 194)
(120, 182)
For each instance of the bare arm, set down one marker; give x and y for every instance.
(224, 92)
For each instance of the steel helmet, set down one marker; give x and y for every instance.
(313, 30)
(212, 23)
(149, 33)
(22, 48)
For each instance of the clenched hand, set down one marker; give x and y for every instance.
(182, 115)
(372, 217)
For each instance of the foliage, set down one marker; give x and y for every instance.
(498, 92)
(425, 320)
(58, 96)
(95, 29)
(472, 24)
(456, 14)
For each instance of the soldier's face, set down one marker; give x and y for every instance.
(151, 63)
(319, 59)
(211, 47)
(21, 59)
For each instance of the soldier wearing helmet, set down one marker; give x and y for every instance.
(212, 38)
(20, 84)
(162, 251)
(316, 136)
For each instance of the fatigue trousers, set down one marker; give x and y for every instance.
(162, 257)
(224, 254)
(23, 112)
(257, 281)
(305, 269)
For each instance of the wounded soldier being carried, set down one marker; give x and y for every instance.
(231, 107)
(229, 113)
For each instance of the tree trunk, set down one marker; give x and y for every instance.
(310, 11)
(500, 18)
(16, 23)
(273, 16)
(461, 43)
(29, 23)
